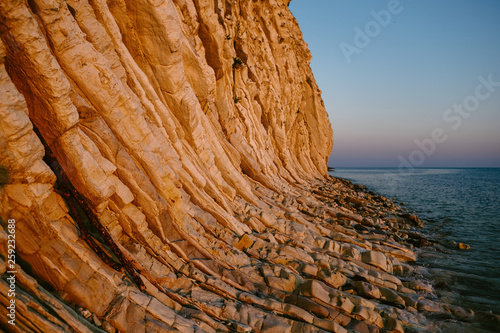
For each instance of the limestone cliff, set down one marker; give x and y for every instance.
(159, 158)
(162, 119)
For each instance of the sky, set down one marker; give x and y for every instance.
(407, 83)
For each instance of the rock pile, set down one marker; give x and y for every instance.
(309, 264)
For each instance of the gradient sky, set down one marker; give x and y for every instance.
(398, 87)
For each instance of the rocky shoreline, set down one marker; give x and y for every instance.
(329, 258)
(165, 170)
(422, 293)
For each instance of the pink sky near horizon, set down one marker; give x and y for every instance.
(398, 88)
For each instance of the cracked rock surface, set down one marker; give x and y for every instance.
(165, 162)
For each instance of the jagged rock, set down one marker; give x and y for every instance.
(429, 306)
(462, 246)
(313, 288)
(375, 258)
(367, 290)
(418, 285)
(333, 279)
(274, 324)
(394, 325)
(165, 163)
(342, 303)
(368, 315)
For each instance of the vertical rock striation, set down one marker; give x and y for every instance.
(135, 135)
(160, 158)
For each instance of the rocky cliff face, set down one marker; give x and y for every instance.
(161, 160)
(137, 134)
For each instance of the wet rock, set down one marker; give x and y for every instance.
(429, 306)
(442, 285)
(412, 218)
(418, 286)
(461, 313)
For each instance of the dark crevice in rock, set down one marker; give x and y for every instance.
(211, 54)
(72, 11)
(90, 229)
(4, 176)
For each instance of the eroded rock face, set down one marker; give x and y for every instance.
(162, 161)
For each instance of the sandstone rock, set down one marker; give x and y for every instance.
(375, 258)
(418, 285)
(367, 290)
(394, 325)
(274, 324)
(166, 166)
(342, 303)
(352, 252)
(308, 305)
(392, 297)
(314, 288)
(333, 279)
(429, 306)
(309, 269)
(369, 316)
(461, 313)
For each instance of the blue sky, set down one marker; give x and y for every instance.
(406, 76)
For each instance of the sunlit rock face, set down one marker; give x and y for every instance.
(163, 167)
(141, 140)
(166, 166)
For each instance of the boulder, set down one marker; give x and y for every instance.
(375, 258)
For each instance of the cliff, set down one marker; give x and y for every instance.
(165, 163)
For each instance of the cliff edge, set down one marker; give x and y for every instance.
(136, 135)
(164, 168)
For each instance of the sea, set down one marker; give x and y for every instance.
(456, 205)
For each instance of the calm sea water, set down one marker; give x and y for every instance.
(461, 205)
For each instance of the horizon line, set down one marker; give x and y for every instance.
(426, 167)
